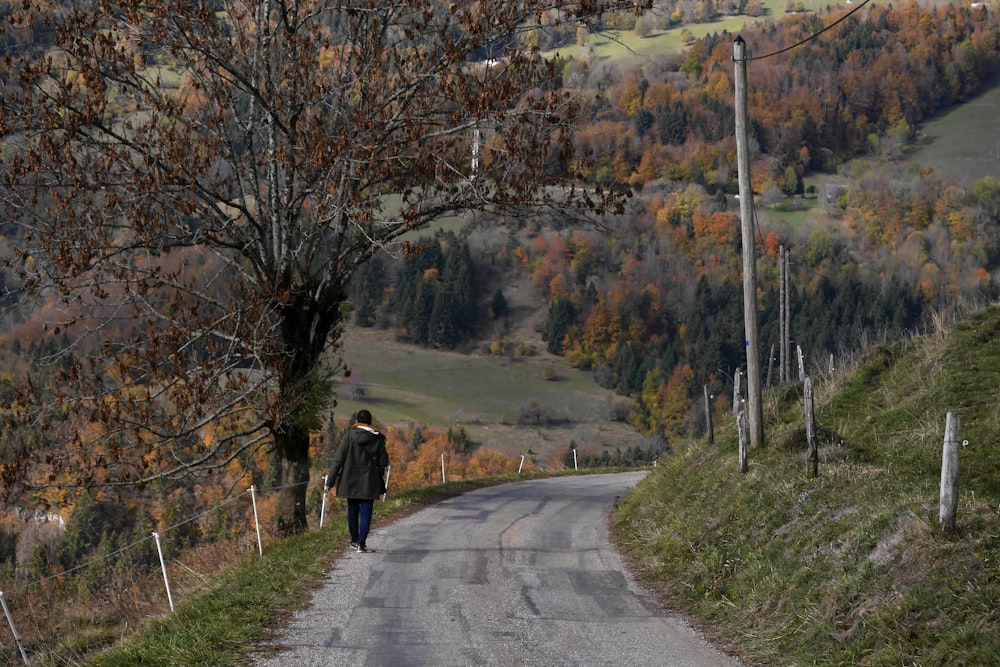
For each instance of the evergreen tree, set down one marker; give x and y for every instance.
(8, 545)
(418, 320)
(180, 531)
(672, 121)
(461, 272)
(442, 325)
(366, 289)
(561, 318)
(498, 305)
(144, 554)
(418, 438)
(83, 532)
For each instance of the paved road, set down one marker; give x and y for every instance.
(516, 575)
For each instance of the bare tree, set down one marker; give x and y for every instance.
(197, 181)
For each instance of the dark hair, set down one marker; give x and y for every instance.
(363, 417)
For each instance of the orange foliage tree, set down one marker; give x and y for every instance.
(307, 137)
(418, 466)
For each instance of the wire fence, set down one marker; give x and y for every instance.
(153, 557)
(21, 593)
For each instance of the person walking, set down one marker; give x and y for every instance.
(358, 474)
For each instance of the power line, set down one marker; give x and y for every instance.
(811, 37)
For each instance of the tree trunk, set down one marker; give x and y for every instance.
(310, 330)
(292, 476)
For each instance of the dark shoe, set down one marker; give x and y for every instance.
(363, 549)
(354, 546)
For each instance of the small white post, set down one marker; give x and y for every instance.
(475, 155)
(574, 459)
(322, 505)
(520, 465)
(737, 394)
(256, 520)
(10, 621)
(163, 566)
(388, 472)
(443, 480)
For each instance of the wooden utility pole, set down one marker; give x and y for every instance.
(755, 412)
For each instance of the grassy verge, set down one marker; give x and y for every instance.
(850, 568)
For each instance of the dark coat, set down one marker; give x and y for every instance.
(359, 464)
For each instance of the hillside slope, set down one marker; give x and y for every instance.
(851, 567)
(518, 400)
(846, 569)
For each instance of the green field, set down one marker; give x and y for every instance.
(963, 142)
(484, 394)
(410, 383)
(626, 48)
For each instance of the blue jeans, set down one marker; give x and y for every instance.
(359, 519)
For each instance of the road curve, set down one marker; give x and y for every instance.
(521, 574)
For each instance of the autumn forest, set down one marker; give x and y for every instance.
(646, 294)
(652, 303)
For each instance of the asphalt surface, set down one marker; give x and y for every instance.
(521, 574)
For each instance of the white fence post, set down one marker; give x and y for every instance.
(443, 480)
(737, 401)
(322, 506)
(10, 621)
(574, 459)
(520, 465)
(163, 566)
(388, 472)
(256, 521)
